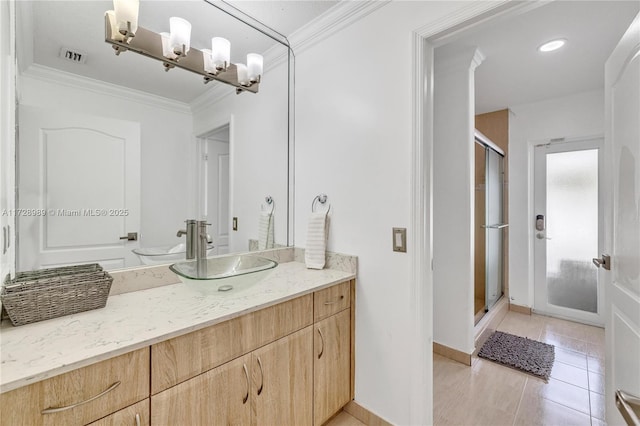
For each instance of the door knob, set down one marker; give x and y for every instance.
(604, 261)
(131, 236)
(541, 236)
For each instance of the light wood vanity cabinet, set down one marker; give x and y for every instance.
(287, 364)
(283, 381)
(331, 365)
(176, 360)
(218, 397)
(80, 396)
(135, 415)
(269, 386)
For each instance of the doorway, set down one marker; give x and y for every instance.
(215, 183)
(568, 229)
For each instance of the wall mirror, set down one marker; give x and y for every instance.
(114, 153)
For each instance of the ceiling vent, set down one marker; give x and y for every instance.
(73, 55)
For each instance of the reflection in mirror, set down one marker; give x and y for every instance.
(114, 153)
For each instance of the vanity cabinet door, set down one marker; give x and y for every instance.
(282, 374)
(135, 415)
(218, 397)
(331, 300)
(331, 365)
(80, 396)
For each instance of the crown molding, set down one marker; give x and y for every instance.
(333, 20)
(53, 75)
(322, 27)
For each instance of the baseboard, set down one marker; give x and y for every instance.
(364, 415)
(520, 309)
(451, 353)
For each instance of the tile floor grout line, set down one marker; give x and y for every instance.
(520, 401)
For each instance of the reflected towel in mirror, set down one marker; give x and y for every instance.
(317, 234)
(265, 231)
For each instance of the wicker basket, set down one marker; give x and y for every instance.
(50, 293)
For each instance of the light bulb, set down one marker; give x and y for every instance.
(254, 67)
(180, 38)
(220, 52)
(243, 75)
(208, 63)
(126, 12)
(167, 51)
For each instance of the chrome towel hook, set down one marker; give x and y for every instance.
(322, 199)
(269, 200)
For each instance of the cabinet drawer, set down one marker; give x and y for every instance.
(331, 300)
(135, 415)
(80, 396)
(176, 360)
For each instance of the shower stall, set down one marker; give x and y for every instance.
(490, 225)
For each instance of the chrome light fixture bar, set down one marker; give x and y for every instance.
(150, 44)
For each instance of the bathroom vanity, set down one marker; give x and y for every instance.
(279, 353)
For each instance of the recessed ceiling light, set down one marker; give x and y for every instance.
(552, 45)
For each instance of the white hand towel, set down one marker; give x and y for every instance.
(317, 234)
(265, 231)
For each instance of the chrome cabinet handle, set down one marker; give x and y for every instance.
(137, 419)
(261, 376)
(626, 404)
(335, 301)
(322, 341)
(52, 410)
(246, 375)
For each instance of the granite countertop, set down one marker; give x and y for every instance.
(130, 321)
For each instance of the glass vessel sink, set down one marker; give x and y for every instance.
(164, 254)
(223, 275)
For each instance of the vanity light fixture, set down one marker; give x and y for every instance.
(174, 49)
(552, 45)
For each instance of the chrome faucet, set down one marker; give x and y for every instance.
(197, 238)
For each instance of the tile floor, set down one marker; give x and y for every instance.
(490, 394)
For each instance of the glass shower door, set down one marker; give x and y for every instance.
(495, 227)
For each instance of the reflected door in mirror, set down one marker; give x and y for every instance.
(79, 189)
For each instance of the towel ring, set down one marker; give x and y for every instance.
(269, 200)
(322, 199)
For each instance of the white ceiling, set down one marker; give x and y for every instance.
(514, 72)
(79, 25)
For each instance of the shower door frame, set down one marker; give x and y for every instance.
(489, 146)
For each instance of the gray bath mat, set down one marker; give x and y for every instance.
(517, 352)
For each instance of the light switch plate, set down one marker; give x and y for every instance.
(400, 240)
(235, 224)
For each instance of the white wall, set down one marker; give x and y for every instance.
(453, 198)
(167, 148)
(353, 142)
(577, 115)
(258, 153)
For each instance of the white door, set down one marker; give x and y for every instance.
(79, 189)
(568, 229)
(622, 220)
(216, 191)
